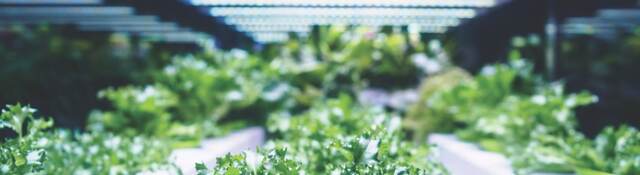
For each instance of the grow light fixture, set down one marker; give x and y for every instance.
(349, 3)
(92, 15)
(341, 12)
(619, 13)
(87, 21)
(328, 20)
(432, 29)
(50, 2)
(269, 37)
(167, 25)
(125, 23)
(65, 11)
(433, 16)
(133, 28)
(73, 19)
(273, 28)
(306, 28)
(175, 36)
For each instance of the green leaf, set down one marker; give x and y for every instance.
(586, 171)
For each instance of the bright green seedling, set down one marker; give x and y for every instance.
(24, 154)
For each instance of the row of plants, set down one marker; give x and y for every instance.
(306, 86)
(39, 150)
(349, 127)
(336, 136)
(344, 58)
(201, 89)
(510, 110)
(183, 102)
(187, 99)
(604, 64)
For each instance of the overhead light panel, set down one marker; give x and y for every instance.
(270, 37)
(619, 13)
(80, 18)
(128, 23)
(329, 20)
(51, 2)
(348, 3)
(432, 29)
(273, 28)
(132, 28)
(133, 20)
(294, 12)
(303, 28)
(175, 36)
(65, 11)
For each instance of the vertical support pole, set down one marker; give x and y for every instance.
(551, 31)
(135, 52)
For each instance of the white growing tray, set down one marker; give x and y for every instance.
(462, 158)
(210, 149)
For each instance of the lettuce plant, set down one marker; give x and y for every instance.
(105, 153)
(422, 121)
(205, 91)
(507, 109)
(22, 155)
(137, 111)
(617, 152)
(614, 151)
(336, 137)
(36, 151)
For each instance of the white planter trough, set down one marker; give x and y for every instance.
(210, 149)
(462, 158)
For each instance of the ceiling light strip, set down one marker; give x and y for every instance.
(270, 37)
(132, 28)
(327, 21)
(348, 3)
(79, 18)
(341, 12)
(274, 28)
(50, 2)
(65, 11)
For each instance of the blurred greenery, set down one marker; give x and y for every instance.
(61, 151)
(61, 70)
(302, 91)
(421, 120)
(335, 136)
(510, 110)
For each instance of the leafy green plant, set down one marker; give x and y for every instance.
(208, 92)
(507, 109)
(616, 149)
(346, 59)
(136, 111)
(36, 151)
(334, 137)
(105, 153)
(422, 121)
(22, 155)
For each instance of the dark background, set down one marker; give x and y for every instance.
(486, 39)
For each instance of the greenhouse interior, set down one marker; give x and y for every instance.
(297, 87)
